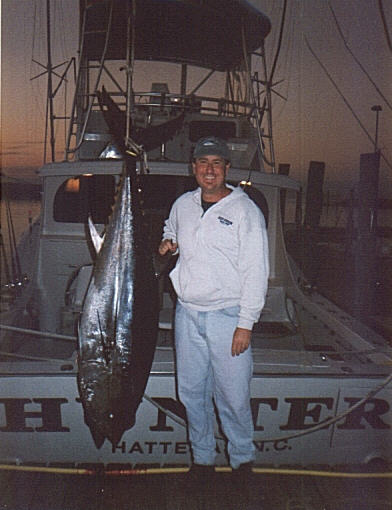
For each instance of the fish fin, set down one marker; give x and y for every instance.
(98, 437)
(96, 239)
(119, 429)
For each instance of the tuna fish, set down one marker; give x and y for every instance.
(119, 322)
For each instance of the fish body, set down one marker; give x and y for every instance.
(119, 322)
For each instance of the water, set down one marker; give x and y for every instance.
(22, 212)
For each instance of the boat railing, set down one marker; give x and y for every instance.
(172, 102)
(151, 107)
(191, 102)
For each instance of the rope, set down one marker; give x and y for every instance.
(356, 59)
(385, 25)
(179, 470)
(361, 125)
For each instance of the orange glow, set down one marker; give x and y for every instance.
(73, 185)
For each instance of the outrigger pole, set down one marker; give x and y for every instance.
(50, 116)
(49, 104)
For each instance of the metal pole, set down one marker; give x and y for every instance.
(184, 69)
(376, 108)
(130, 55)
(50, 91)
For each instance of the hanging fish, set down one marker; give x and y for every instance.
(119, 322)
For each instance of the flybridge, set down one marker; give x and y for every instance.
(213, 34)
(216, 36)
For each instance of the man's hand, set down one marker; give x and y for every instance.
(167, 245)
(241, 341)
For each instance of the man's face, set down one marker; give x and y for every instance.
(210, 173)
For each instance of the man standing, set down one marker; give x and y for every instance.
(221, 279)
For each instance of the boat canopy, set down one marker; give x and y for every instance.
(205, 33)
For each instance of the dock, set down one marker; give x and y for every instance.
(272, 490)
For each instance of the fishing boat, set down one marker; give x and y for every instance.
(321, 387)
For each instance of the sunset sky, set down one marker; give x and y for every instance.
(314, 123)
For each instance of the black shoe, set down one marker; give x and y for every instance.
(200, 482)
(242, 482)
(201, 472)
(243, 472)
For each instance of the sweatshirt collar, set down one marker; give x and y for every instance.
(236, 191)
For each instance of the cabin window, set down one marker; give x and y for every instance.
(80, 196)
(200, 128)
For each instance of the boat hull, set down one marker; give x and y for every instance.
(41, 421)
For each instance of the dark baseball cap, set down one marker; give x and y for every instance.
(211, 146)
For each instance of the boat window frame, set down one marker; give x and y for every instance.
(81, 193)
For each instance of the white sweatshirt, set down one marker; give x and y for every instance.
(223, 254)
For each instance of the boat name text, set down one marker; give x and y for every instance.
(300, 413)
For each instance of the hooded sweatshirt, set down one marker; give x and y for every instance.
(223, 254)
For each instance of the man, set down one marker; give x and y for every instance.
(221, 279)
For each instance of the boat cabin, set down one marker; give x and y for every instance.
(72, 191)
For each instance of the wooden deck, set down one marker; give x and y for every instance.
(47, 491)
